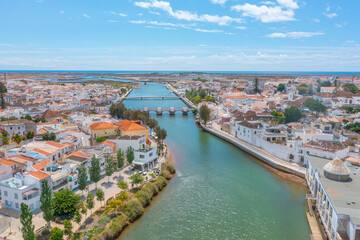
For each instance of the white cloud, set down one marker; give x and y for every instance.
(294, 34)
(155, 13)
(7, 44)
(113, 21)
(62, 12)
(120, 14)
(241, 27)
(290, 4)
(162, 23)
(140, 14)
(221, 2)
(315, 20)
(186, 15)
(328, 14)
(340, 25)
(208, 31)
(264, 13)
(268, 3)
(85, 15)
(138, 22)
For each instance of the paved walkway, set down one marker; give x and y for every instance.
(110, 190)
(258, 151)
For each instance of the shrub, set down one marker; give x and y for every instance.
(151, 188)
(160, 182)
(122, 196)
(144, 197)
(166, 174)
(133, 210)
(101, 139)
(116, 227)
(170, 168)
(104, 220)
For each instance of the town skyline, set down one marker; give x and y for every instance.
(151, 35)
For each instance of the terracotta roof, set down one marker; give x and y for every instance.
(80, 154)
(55, 144)
(102, 125)
(30, 159)
(48, 123)
(7, 162)
(39, 174)
(69, 144)
(41, 164)
(108, 143)
(132, 127)
(42, 152)
(43, 130)
(50, 114)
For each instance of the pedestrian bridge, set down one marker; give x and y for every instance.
(171, 110)
(152, 97)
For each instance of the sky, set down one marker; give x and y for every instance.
(180, 35)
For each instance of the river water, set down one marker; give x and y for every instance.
(219, 192)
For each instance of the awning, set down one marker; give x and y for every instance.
(34, 190)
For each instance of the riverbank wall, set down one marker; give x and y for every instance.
(271, 161)
(184, 99)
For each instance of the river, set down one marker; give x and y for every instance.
(219, 192)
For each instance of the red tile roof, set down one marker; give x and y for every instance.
(39, 174)
(42, 164)
(7, 162)
(102, 125)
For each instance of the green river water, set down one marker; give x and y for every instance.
(219, 192)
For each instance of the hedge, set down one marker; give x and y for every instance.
(133, 210)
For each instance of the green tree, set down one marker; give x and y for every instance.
(137, 178)
(29, 135)
(3, 90)
(292, 114)
(46, 200)
(130, 154)
(17, 138)
(314, 105)
(82, 177)
(90, 203)
(109, 166)
(28, 117)
(120, 158)
(122, 184)
(27, 228)
(95, 171)
(281, 87)
(77, 217)
(205, 113)
(152, 123)
(56, 234)
(349, 87)
(83, 208)
(66, 203)
(303, 90)
(100, 195)
(68, 228)
(256, 86)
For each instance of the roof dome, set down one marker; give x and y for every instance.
(337, 170)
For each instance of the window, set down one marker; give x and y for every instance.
(16, 196)
(5, 193)
(142, 156)
(150, 154)
(17, 205)
(6, 202)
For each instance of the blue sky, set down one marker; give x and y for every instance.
(192, 35)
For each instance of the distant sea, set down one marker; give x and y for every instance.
(175, 72)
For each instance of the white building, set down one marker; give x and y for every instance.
(145, 158)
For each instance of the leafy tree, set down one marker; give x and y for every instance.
(349, 87)
(3, 90)
(152, 123)
(4, 137)
(77, 217)
(314, 105)
(292, 114)
(28, 117)
(311, 90)
(27, 228)
(120, 158)
(281, 87)
(83, 208)
(49, 136)
(29, 135)
(68, 228)
(101, 139)
(39, 120)
(82, 177)
(122, 184)
(303, 90)
(56, 234)
(137, 178)
(65, 203)
(17, 138)
(95, 171)
(130, 154)
(256, 86)
(90, 203)
(46, 200)
(109, 166)
(205, 113)
(116, 204)
(100, 195)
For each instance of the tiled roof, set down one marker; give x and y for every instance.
(7, 162)
(109, 143)
(55, 144)
(42, 152)
(41, 164)
(132, 127)
(30, 159)
(39, 174)
(102, 125)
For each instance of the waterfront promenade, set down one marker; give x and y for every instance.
(257, 152)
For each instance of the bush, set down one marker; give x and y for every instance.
(122, 196)
(133, 210)
(166, 174)
(144, 197)
(151, 188)
(116, 227)
(101, 139)
(170, 168)
(160, 182)
(104, 220)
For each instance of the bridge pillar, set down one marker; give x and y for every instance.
(185, 110)
(159, 111)
(172, 111)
